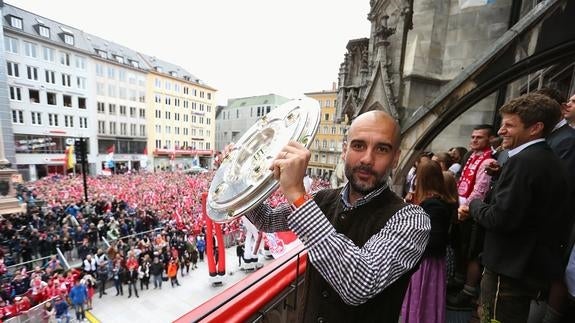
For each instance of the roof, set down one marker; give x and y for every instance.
(90, 44)
(269, 99)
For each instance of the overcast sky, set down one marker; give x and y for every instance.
(240, 47)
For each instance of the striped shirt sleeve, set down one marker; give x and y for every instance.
(358, 274)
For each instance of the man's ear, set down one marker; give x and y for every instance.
(536, 130)
(396, 157)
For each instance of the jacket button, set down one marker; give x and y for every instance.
(325, 294)
(320, 319)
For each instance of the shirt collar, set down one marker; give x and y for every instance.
(518, 149)
(345, 196)
(559, 125)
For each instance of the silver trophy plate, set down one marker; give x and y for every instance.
(244, 179)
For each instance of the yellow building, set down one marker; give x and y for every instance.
(181, 118)
(327, 146)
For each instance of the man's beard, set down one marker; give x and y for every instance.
(361, 188)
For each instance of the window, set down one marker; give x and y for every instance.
(112, 127)
(168, 115)
(142, 113)
(111, 109)
(142, 130)
(168, 129)
(13, 69)
(69, 39)
(111, 72)
(16, 22)
(101, 107)
(132, 129)
(158, 98)
(208, 121)
(99, 70)
(123, 129)
(132, 95)
(119, 59)
(65, 58)
(326, 117)
(102, 53)
(50, 76)
(68, 121)
(158, 144)
(100, 90)
(176, 102)
(142, 96)
(32, 73)
(83, 122)
(44, 31)
(122, 93)
(186, 103)
(201, 94)
(186, 90)
(122, 110)
(209, 98)
(52, 119)
(158, 114)
(66, 80)
(186, 118)
(48, 54)
(11, 44)
(81, 103)
(208, 108)
(186, 132)
(34, 95)
(158, 83)
(101, 126)
(176, 130)
(81, 82)
(158, 128)
(15, 93)
(18, 116)
(135, 64)
(51, 98)
(36, 118)
(67, 100)
(122, 75)
(30, 49)
(132, 112)
(80, 62)
(112, 90)
(168, 100)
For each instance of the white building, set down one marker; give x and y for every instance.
(233, 120)
(47, 76)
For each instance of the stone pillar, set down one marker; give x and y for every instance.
(8, 201)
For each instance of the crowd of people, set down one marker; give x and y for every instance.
(134, 228)
(504, 228)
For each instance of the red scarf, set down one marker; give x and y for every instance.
(469, 174)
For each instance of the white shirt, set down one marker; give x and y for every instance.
(518, 149)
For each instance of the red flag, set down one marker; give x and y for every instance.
(111, 149)
(145, 151)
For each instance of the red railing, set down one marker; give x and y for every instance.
(248, 296)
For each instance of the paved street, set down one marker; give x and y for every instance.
(169, 303)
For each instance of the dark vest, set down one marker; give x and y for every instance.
(322, 303)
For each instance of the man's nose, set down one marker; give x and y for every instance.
(367, 157)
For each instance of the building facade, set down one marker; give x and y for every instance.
(181, 121)
(64, 84)
(414, 48)
(328, 143)
(240, 114)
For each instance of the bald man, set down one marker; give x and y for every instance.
(363, 241)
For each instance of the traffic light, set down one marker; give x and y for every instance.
(80, 150)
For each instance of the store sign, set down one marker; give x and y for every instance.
(35, 143)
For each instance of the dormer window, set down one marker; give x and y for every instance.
(16, 22)
(158, 68)
(44, 31)
(69, 39)
(135, 64)
(119, 59)
(173, 73)
(102, 53)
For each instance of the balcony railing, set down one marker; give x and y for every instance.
(258, 295)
